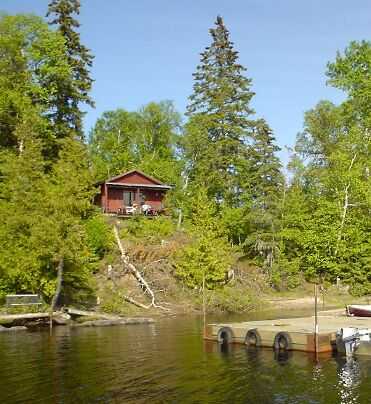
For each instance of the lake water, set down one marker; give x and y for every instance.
(167, 362)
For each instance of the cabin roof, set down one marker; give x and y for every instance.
(154, 182)
(130, 185)
(153, 179)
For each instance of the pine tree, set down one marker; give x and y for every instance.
(266, 175)
(222, 95)
(266, 190)
(74, 91)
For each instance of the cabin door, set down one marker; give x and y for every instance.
(128, 198)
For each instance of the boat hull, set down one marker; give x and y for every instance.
(359, 311)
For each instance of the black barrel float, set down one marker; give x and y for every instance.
(282, 342)
(225, 335)
(253, 338)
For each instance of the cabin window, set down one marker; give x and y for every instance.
(128, 198)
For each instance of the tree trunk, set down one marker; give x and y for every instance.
(345, 207)
(58, 289)
(180, 215)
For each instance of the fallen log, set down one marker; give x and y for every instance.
(13, 329)
(32, 316)
(10, 320)
(121, 321)
(75, 313)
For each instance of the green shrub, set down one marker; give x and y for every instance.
(231, 300)
(115, 304)
(208, 257)
(285, 274)
(99, 235)
(360, 289)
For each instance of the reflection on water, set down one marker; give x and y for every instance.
(350, 377)
(168, 362)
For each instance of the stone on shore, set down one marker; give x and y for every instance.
(62, 319)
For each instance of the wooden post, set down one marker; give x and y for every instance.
(105, 203)
(316, 318)
(204, 302)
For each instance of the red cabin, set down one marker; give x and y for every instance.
(132, 192)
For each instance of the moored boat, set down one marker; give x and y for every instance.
(359, 310)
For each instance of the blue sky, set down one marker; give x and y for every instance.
(147, 50)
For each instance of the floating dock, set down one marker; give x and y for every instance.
(292, 334)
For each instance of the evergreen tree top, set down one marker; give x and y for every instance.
(63, 11)
(220, 86)
(71, 94)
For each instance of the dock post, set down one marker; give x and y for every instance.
(204, 302)
(316, 318)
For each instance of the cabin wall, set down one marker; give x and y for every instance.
(114, 200)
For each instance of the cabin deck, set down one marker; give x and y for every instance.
(298, 331)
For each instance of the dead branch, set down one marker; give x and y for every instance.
(135, 302)
(129, 267)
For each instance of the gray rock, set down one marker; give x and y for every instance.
(61, 319)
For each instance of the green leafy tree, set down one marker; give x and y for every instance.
(41, 211)
(145, 140)
(21, 195)
(208, 258)
(112, 143)
(32, 66)
(351, 72)
(68, 202)
(67, 116)
(334, 181)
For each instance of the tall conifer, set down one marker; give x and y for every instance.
(266, 189)
(75, 91)
(222, 95)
